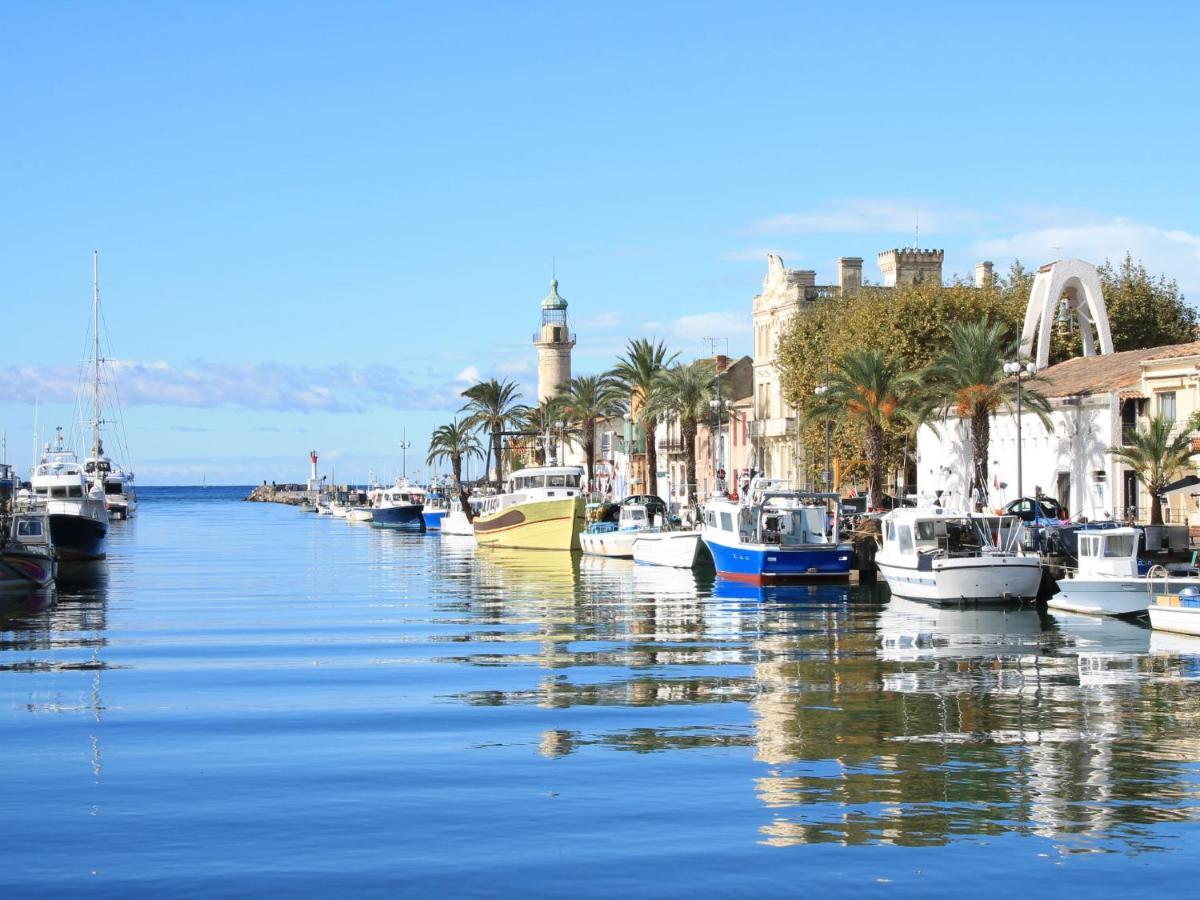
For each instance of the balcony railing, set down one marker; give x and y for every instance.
(769, 428)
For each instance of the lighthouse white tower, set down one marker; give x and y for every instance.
(554, 342)
(314, 483)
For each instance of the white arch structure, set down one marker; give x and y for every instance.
(1078, 283)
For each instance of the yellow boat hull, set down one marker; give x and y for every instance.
(537, 525)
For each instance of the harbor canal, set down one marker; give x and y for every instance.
(245, 699)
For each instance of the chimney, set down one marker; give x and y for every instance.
(850, 274)
(983, 274)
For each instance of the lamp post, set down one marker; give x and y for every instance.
(827, 475)
(1020, 372)
(405, 443)
(717, 405)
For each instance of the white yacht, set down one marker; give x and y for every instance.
(76, 506)
(1107, 582)
(943, 555)
(456, 523)
(119, 491)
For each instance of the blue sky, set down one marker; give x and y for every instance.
(316, 222)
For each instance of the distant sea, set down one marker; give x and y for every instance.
(249, 700)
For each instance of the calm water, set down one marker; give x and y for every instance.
(249, 700)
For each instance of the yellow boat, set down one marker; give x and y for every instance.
(542, 509)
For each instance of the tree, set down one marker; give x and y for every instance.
(455, 442)
(549, 423)
(969, 381)
(586, 400)
(492, 407)
(683, 392)
(636, 371)
(911, 323)
(1156, 457)
(872, 388)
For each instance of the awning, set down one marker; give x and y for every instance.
(1132, 395)
(1185, 482)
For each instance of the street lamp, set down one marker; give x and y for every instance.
(826, 476)
(405, 444)
(717, 405)
(1021, 372)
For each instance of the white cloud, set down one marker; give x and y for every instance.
(1173, 252)
(469, 375)
(759, 254)
(866, 215)
(257, 386)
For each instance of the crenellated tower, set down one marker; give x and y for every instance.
(910, 265)
(554, 343)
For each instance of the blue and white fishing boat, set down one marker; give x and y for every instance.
(437, 504)
(397, 506)
(776, 533)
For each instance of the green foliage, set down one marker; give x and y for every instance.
(870, 389)
(637, 370)
(1143, 311)
(583, 401)
(1157, 456)
(492, 407)
(910, 324)
(683, 392)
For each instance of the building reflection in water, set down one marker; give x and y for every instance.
(929, 723)
(874, 719)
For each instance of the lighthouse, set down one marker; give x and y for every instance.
(554, 342)
(314, 483)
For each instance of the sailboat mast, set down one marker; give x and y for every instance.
(96, 354)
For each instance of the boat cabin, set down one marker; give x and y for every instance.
(941, 534)
(1111, 551)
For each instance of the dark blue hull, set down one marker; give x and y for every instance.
(78, 537)
(398, 517)
(757, 563)
(433, 519)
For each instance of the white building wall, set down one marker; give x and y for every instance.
(1075, 447)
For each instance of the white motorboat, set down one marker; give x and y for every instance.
(677, 549)
(635, 515)
(359, 514)
(1107, 582)
(1174, 609)
(78, 514)
(945, 556)
(455, 523)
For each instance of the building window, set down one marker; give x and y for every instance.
(1166, 405)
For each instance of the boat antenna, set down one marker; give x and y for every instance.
(96, 355)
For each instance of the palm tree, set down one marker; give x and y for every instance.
(586, 400)
(872, 389)
(1156, 458)
(969, 381)
(492, 407)
(683, 392)
(636, 371)
(454, 443)
(548, 421)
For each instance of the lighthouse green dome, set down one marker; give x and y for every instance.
(554, 300)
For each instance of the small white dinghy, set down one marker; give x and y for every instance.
(677, 549)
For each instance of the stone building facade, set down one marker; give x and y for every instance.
(775, 428)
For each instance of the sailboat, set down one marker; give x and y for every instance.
(117, 481)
